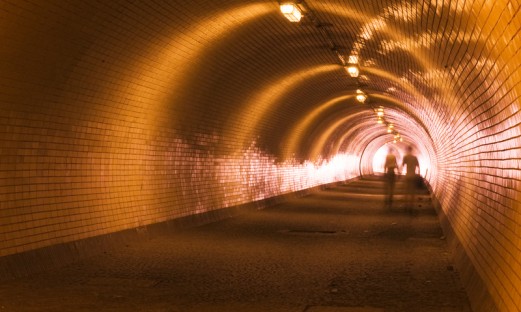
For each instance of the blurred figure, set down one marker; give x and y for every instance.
(390, 169)
(412, 176)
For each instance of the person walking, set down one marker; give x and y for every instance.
(411, 177)
(390, 168)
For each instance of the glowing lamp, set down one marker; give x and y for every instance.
(380, 112)
(361, 96)
(352, 67)
(291, 11)
(353, 70)
(380, 120)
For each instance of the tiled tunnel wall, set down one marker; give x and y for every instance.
(116, 115)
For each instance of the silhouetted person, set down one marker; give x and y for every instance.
(390, 168)
(411, 177)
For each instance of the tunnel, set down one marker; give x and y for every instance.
(117, 116)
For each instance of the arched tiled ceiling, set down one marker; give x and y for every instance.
(123, 113)
(340, 101)
(265, 99)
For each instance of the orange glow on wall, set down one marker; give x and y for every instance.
(257, 176)
(405, 85)
(341, 141)
(370, 26)
(324, 138)
(173, 62)
(295, 135)
(267, 98)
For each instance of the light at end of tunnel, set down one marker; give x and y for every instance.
(291, 11)
(379, 159)
(361, 96)
(399, 151)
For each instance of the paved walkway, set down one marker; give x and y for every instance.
(338, 250)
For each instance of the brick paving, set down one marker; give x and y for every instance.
(338, 250)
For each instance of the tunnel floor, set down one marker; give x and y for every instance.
(337, 250)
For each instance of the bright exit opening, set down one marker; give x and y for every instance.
(379, 157)
(399, 150)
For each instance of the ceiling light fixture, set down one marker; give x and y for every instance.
(295, 10)
(380, 112)
(361, 96)
(353, 70)
(291, 11)
(352, 66)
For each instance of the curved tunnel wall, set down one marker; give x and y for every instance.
(122, 114)
(115, 117)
